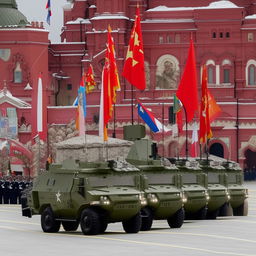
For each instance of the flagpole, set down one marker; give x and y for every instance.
(163, 128)
(186, 133)
(114, 132)
(132, 103)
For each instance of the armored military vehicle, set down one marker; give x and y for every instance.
(159, 181)
(194, 187)
(219, 197)
(238, 193)
(89, 194)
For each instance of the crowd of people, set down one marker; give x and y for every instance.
(12, 187)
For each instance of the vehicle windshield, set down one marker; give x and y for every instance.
(213, 178)
(160, 179)
(111, 180)
(189, 178)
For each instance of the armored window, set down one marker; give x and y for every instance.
(226, 73)
(17, 73)
(251, 80)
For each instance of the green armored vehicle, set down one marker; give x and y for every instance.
(194, 187)
(238, 193)
(89, 194)
(159, 181)
(218, 193)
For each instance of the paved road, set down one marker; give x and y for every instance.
(224, 236)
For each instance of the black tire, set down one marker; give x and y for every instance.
(239, 211)
(212, 215)
(201, 214)
(70, 225)
(103, 224)
(132, 225)
(48, 222)
(146, 219)
(90, 222)
(226, 210)
(176, 221)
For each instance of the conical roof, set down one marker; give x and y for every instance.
(10, 15)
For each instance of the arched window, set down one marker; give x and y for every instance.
(210, 72)
(17, 73)
(251, 75)
(226, 71)
(214, 35)
(217, 150)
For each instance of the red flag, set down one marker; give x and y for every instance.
(134, 69)
(110, 84)
(205, 129)
(214, 109)
(89, 78)
(187, 91)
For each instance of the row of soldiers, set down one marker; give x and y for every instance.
(11, 188)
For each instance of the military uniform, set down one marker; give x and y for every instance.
(6, 192)
(1, 191)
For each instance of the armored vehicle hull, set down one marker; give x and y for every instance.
(163, 195)
(194, 187)
(90, 194)
(238, 193)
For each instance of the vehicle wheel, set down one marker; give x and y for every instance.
(70, 225)
(201, 214)
(132, 225)
(103, 224)
(225, 210)
(48, 222)
(241, 210)
(212, 215)
(177, 219)
(146, 219)
(90, 222)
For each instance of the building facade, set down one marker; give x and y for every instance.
(224, 35)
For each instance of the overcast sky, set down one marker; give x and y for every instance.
(35, 10)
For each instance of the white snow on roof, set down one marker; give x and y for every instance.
(251, 17)
(167, 21)
(78, 21)
(110, 17)
(6, 96)
(214, 5)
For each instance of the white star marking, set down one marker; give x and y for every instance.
(58, 196)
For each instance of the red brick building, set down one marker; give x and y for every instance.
(224, 34)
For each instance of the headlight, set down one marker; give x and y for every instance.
(104, 200)
(142, 199)
(246, 193)
(152, 198)
(227, 194)
(184, 198)
(207, 196)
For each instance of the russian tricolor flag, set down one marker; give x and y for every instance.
(150, 120)
(48, 6)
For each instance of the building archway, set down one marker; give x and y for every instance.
(217, 150)
(250, 159)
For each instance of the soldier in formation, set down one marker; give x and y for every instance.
(11, 189)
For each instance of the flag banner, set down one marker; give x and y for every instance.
(81, 95)
(134, 67)
(177, 106)
(89, 79)
(110, 84)
(187, 90)
(214, 109)
(154, 124)
(205, 129)
(194, 142)
(49, 14)
(80, 125)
